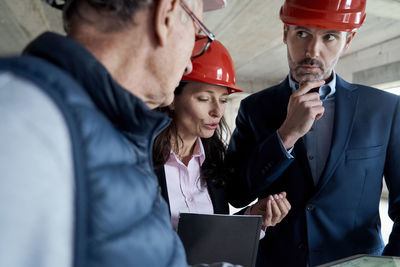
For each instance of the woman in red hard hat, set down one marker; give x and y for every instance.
(188, 155)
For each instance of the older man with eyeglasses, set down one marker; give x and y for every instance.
(77, 186)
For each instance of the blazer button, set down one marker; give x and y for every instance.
(302, 247)
(310, 207)
(264, 170)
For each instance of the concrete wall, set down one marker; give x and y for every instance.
(380, 62)
(23, 20)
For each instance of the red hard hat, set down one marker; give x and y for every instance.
(336, 15)
(214, 67)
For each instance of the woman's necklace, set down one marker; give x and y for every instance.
(181, 157)
(184, 157)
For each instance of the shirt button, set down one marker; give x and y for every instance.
(190, 199)
(311, 157)
(310, 207)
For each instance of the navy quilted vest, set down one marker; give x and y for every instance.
(120, 216)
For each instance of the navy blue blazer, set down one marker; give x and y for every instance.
(339, 216)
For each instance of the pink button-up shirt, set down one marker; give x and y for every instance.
(186, 192)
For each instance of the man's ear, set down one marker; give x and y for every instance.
(172, 105)
(164, 17)
(348, 40)
(285, 32)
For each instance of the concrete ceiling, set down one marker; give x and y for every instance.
(252, 32)
(250, 29)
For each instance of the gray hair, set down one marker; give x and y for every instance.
(119, 12)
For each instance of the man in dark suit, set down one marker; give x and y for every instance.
(324, 141)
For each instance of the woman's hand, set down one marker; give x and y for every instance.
(273, 209)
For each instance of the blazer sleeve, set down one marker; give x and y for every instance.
(255, 158)
(392, 178)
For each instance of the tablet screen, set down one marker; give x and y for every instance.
(365, 261)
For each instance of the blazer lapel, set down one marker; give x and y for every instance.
(345, 109)
(162, 181)
(218, 199)
(281, 102)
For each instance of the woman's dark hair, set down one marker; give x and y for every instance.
(212, 170)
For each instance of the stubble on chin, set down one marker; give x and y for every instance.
(302, 77)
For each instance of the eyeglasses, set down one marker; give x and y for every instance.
(54, 3)
(202, 42)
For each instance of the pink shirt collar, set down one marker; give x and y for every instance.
(198, 152)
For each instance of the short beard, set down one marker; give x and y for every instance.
(301, 76)
(309, 76)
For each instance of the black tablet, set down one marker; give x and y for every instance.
(209, 238)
